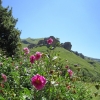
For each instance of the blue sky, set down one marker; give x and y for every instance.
(76, 21)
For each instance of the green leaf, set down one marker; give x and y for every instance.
(1, 98)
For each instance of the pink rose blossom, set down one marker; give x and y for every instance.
(67, 67)
(26, 50)
(38, 55)
(68, 87)
(4, 77)
(32, 58)
(38, 81)
(70, 72)
(50, 41)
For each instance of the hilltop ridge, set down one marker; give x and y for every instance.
(32, 42)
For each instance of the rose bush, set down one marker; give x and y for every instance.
(39, 76)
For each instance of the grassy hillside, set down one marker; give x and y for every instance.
(30, 40)
(90, 70)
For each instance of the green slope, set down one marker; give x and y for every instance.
(90, 70)
(30, 40)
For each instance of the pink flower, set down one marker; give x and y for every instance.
(26, 50)
(38, 81)
(4, 77)
(50, 41)
(67, 67)
(70, 72)
(32, 58)
(38, 55)
(68, 87)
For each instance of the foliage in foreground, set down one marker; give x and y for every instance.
(41, 76)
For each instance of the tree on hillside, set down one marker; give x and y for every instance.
(81, 55)
(9, 35)
(55, 43)
(67, 45)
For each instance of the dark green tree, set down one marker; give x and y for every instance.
(9, 35)
(67, 45)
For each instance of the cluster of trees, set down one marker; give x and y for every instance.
(9, 35)
(67, 45)
(79, 54)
